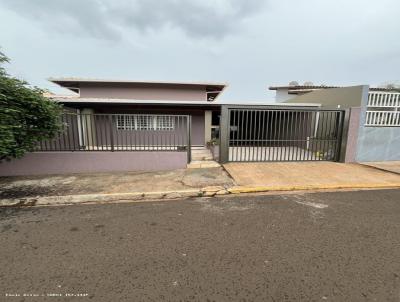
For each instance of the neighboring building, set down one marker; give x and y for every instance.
(287, 92)
(377, 112)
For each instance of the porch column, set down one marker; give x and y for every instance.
(88, 128)
(207, 125)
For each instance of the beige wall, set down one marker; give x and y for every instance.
(143, 92)
(346, 97)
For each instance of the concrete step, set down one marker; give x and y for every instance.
(201, 158)
(199, 148)
(203, 164)
(201, 154)
(201, 151)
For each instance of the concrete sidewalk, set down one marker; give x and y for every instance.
(253, 177)
(390, 166)
(247, 178)
(98, 187)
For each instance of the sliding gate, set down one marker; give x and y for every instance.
(257, 135)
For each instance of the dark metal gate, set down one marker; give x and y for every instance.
(258, 135)
(121, 132)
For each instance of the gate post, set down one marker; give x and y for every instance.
(341, 130)
(110, 124)
(224, 135)
(189, 137)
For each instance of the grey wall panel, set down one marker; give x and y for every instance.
(379, 144)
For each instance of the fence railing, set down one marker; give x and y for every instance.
(382, 118)
(383, 99)
(383, 109)
(121, 132)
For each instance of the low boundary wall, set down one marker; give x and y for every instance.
(41, 163)
(378, 144)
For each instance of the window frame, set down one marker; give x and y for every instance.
(145, 122)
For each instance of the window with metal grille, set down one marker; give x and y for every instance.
(145, 122)
(165, 123)
(125, 122)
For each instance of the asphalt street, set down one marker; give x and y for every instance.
(342, 246)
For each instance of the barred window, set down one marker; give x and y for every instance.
(165, 123)
(125, 122)
(145, 122)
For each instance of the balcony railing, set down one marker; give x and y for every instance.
(383, 109)
(383, 118)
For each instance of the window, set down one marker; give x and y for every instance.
(145, 122)
(165, 123)
(125, 122)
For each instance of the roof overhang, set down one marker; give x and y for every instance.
(107, 101)
(212, 89)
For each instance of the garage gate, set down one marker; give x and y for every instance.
(259, 135)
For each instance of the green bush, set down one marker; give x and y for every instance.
(26, 116)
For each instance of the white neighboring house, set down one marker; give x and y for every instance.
(383, 109)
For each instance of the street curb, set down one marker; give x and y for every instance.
(256, 189)
(101, 198)
(113, 197)
(173, 195)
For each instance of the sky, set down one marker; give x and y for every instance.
(248, 44)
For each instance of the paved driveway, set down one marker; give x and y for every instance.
(325, 174)
(312, 247)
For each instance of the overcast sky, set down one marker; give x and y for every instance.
(250, 44)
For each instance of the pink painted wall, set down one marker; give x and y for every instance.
(142, 92)
(41, 163)
(352, 135)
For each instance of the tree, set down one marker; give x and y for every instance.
(392, 86)
(26, 116)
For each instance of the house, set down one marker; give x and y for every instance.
(111, 125)
(152, 102)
